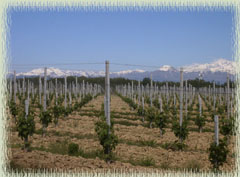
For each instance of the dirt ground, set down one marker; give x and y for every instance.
(80, 130)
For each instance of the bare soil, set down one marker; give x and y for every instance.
(80, 130)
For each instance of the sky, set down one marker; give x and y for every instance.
(151, 38)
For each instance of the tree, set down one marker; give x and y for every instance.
(146, 81)
(25, 128)
(45, 119)
(161, 121)
(180, 131)
(218, 154)
(141, 112)
(200, 122)
(13, 109)
(150, 115)
(108, 140)
(57, 111)
(227, 127)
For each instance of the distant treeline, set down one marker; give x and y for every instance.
(122, 81)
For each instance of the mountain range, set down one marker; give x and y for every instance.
(216, 70)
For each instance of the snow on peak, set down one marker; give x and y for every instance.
(167, 68)
(127, 71)
(220, 65)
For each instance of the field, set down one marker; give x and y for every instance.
(139, 147)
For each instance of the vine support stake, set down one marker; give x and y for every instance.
(107, 93)
(228, 98)
(26, 108)
(45, 90)
(181, 96)
(15, 87)
(65, 92)
(216, 129)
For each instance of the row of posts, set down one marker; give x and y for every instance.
(129, 92)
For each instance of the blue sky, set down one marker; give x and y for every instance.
(131, 37)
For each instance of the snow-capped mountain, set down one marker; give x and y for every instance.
(217, 70)
(220, 65)
(167, 68)
(55, 72)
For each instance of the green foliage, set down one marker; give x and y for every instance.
(60, 100)
(180, 132)
(220, 109)
(128, 101)
(140, 111)
(161, 121)
(73, 149)
(175, 146)
(150, 143)
(147, 161)
(213, 114)
(200, 121)
(67, 111)
(25, 126)
(156, 103)
(13, 108)
(227, 126)
(45, 118)
(174, 112)
(209, 107)
(108, 141)
(146, 81)
(56, 110)
(151, 113)
(40, 107)
(218, 154)
(193, 165)
(84, 101)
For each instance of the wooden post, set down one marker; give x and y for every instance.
(167, 92)
(40, 90)
(26, 108)
(23, 87)
(107, 93)
(10, 89)
(76, 83)
(214, 96)
(186, 98)
(181, 96)
(138, 92)
(228, 100)
(132, 91)
(200, 104)
(70, 98)
(160, 103)
(143, 106)
(45, 90)
(28, 89)
(56, 90)
(216, 129)
(83, 89)
(65, 92)
(151, 91)
(15, 87)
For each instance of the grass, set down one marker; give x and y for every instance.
(123, 117)
(165, 165)
(175, 146)
(150, 143)
(193, 165)
(140, 143)
(69, 134)
(126, 123)
(145, 161)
